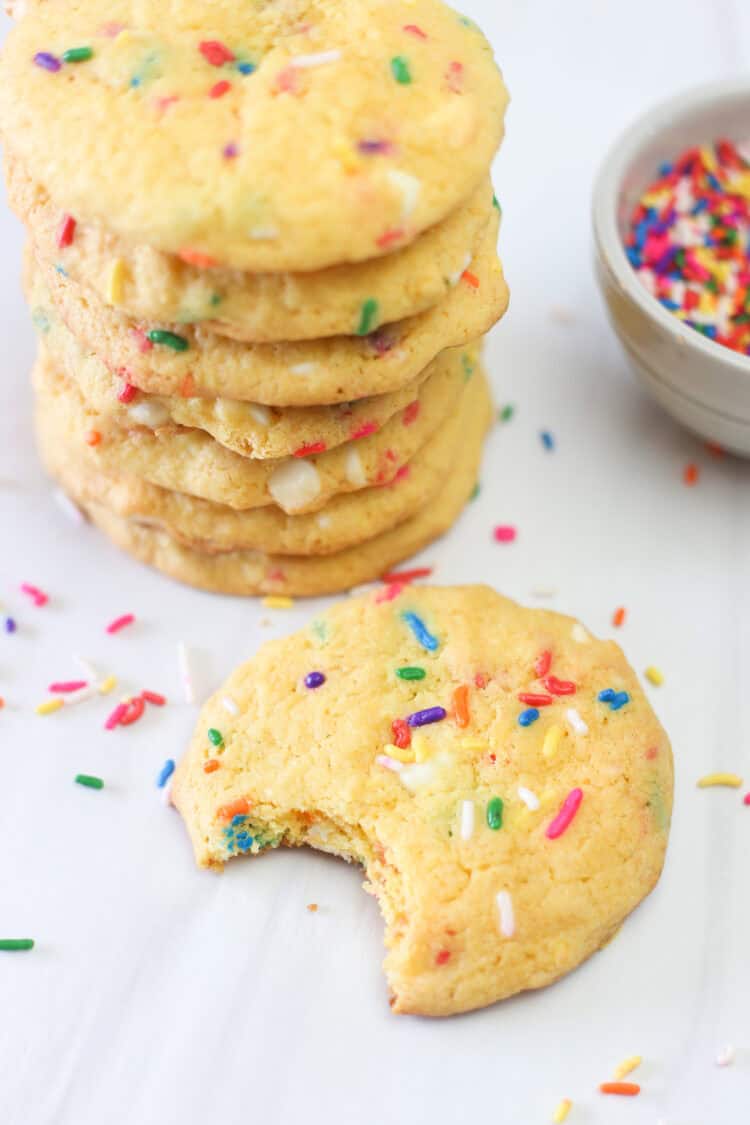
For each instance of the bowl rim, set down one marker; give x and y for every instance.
(609, 244)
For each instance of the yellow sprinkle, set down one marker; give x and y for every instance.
(551, 741)
(709, 160)
(277, 601)
(730, 779)
(627, 1066)
(421, 747)
(49, 706)
(348, 159)
(654, 675)
(474, 744)
(116, 281)
(108, 685)
(741, 185)
(406, 756)
(561, 1112)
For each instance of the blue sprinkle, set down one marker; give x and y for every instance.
(671, 305)
(61, 270)
(237, 820)
(620, 699)
(10, 625)
(420, 631)
(607, 695)
(664, 169)
(135, 82)
(548, 440)
(246, 67)
(165, 773)
(529, 716)
(244, 841)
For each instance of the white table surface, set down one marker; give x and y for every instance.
(160, 994)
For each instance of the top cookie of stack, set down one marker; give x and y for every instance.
(273, 204)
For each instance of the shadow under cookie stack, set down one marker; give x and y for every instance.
(261, 259)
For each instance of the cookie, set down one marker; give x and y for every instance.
(345, 520)
(252, 572)
(269, 136)
(147, 284)
(191, 461)
(190, 361)
(250, 429)
(505, 840)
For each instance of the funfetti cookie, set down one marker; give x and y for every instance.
(189, 360)
(255, 572)
(267, 136)
(149, 285)
(498, 772)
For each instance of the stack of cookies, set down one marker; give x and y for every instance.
(261, 259)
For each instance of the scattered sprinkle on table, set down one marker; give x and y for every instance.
(618, 617)
(654, 675)
(506, 412)
(688, 242)
(120, 623)
(49, 706)
(16, 945)
(714, 780)
(165, 773)
(690, 475)
(624, 1089)
(725, 1056)
(562, 1109)
(277, 601)
(504, 533)
(38, 597)
(547, 440)
(312, 907)
(627, 1066)
(89, 781)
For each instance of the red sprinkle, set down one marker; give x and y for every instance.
(618, 617)
(66, 232)
(470, 279)
(715, 449)
(504, 533)
(559, 687)
(154, 697)
(389, 592)
(407, 575)
(310, 448)
(365, 430)
(542, 664)
(412, 29)
(66, 686)
(535, 699)
(220, 89)
(389, 237)
(127, 393)
(568, 810)
(120, 623)
(481, 680)
(401, 733)
(142, 340)
(133, 711)
(411, 412)
(690, 474)
(455, 77)
(443, 957)
(215, 52)
(114, 718)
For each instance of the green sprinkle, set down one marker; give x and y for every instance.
(495, 814)
(169, 339)
(475, 491)
(400, 70)
(507, 412)
(411, 673)
(40, 320)
(495, 203)
(12, 944)
(77, 54)
(367, 316)
(320, 631)
(215, 737)
(216, 299)
(468, 366)
(89, 781)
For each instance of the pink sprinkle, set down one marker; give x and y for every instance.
(120, 623)
(127, 393)
(67, 685)
(230, 151)
(38, 597)
(111, 29)
(144, 344)
(746, 799)
(389, 592)
(401, 474)
(567, 811)
(365, 430)
(504, 533)
(412, 29)
(411, 413)
(114, 719)
(165, 101)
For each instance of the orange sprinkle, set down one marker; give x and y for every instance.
(187, 386)
(211, 765)
(93, 437)
(626, 1089)
(470, 279)
(196, 258)
(690, 474)
(618, 617)
(2, 702)
(461, 705)
(312, 907)
(715, 449)
(235, 808)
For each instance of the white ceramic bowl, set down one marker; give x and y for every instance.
(704, 385)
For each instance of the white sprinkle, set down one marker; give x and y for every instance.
(578, 633)
(264, 234)
(725, 1057)
(229, 705)
(576, 721)
(454, 278)
(151, 414)
(323, 520)
(544, 592)
(302, 368)
(186, 675)
(354, 470)
(87, 668)
(261, 414)
(507, 917)
(467, 820)
(304, 62)
(81, 695)
(409, 186)
(319, 832)
(294, 484)
(389, 763)
(165, 795)
(414, 777)
(66, 505)
(529, 799)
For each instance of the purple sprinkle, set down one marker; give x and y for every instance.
(47, 61)
(10, 625)
(314, 679)
(381, 340)
(370, 147)
(230, 151)
(430, 715)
